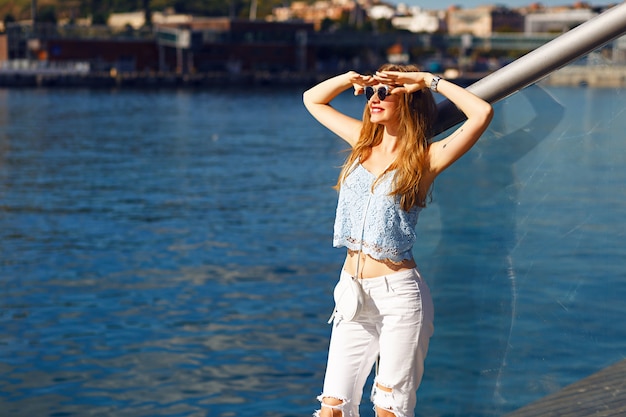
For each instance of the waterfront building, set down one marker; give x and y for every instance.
(484, 21)
(381, 11)
(421, 21)
(556, 21)
(315, 13)
(4, 47)
(137, 19)
(235, 45)
(102, 55)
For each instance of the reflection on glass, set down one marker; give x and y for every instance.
(472, 267)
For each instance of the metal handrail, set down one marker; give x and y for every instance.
(539, 63)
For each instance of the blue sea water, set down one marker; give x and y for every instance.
(169, 253)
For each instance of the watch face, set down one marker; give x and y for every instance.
(433, 83)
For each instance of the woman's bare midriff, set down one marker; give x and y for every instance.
(371, 268)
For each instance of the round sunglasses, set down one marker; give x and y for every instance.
(383, 91)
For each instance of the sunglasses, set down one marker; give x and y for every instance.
(383, 91)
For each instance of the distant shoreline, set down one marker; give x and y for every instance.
(584, 76)
(597, 76)
(150, 80)
(170, 80)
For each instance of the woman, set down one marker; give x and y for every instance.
(383, 185)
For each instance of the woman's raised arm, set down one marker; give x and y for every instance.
(445, 152)
(317, 101)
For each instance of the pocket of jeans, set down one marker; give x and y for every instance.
(406, 297)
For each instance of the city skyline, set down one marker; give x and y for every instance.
(444, 4)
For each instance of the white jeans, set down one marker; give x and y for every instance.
(396, 323)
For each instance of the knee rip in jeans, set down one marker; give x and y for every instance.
(335, 403)
(340, 406)
(383, 397)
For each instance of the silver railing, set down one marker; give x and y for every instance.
(539, 63)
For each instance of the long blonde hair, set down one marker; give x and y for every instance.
(417, 113)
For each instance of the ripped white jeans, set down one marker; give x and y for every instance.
(396, 323)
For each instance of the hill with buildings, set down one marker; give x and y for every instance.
(300, 38)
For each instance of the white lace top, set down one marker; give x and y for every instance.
(374, 220)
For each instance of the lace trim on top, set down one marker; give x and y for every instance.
(388, 232)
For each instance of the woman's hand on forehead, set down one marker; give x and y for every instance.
(359, 82)
(402, 82)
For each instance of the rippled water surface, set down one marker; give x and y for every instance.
(169, 253)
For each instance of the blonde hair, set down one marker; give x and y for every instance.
(417, 112)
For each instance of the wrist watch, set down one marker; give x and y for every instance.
(434, 83)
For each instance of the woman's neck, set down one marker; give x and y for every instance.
(389, 144)
(382, 155)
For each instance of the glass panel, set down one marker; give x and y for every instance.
(523, 249)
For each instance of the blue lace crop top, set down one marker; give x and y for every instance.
(375, 219)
